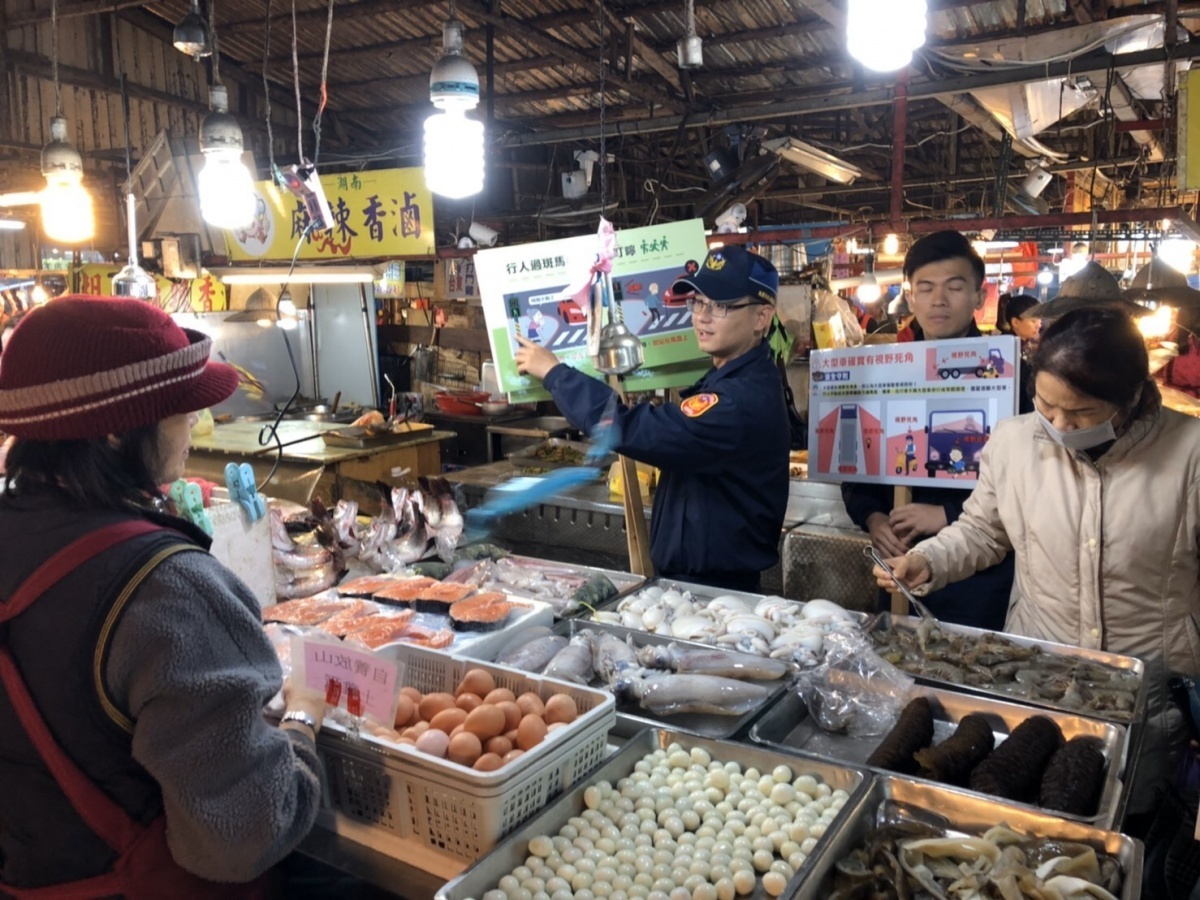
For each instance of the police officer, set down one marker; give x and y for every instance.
(723, 450)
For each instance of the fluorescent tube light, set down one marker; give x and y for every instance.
(808, 157)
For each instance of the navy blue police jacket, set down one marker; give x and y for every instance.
(723, 455)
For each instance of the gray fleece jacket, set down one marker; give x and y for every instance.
(191, 667)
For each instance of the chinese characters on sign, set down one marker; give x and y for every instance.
(352, 678)
(203, 294)
(903, 414)
(387, 212)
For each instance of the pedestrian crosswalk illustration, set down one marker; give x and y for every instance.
(576, 334)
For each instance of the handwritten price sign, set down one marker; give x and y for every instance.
(358, 680)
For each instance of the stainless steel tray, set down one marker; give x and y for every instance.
(887, 621)
(631, 718)
(528, 456)
(512, 851)
(788, 727)
(963, 813)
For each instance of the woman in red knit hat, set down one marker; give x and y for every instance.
(134, 755)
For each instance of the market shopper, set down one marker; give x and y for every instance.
(1098, 494)
(134, 756)
(946, 277)
(723, 450)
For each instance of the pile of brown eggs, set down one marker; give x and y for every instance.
(479, 726)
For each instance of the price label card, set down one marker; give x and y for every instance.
(358, 680)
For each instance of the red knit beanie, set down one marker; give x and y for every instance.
(83, 367)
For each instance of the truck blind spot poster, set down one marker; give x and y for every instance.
(911, 413)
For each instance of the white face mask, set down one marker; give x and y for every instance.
(1080, 438)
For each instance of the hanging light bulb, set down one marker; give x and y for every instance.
(226, 187)
(868, 288)
(453, 143)
(1045, 276)
(883, 34)
(133, 280)
(39, 295)
(191, 34)
(66, 205)
(1178, 253)
(285, 308)
(891, 245)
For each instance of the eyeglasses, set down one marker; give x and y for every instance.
(716, 310)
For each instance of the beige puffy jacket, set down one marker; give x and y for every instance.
(1107, 552)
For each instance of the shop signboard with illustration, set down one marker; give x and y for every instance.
(203, 294)
(525, 292)
(382, 213)
(906, 414)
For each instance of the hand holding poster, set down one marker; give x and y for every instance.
(903, 414)
(523, 294)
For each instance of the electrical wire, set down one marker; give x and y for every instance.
(296, 86)
(316, 125)
(603, 72)
(54, 56)
(212, 33)
(267, 92)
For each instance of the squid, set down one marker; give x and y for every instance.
(669, 694)
(713, 662)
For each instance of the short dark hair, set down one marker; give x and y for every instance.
(1012, 306)
(1098, 351)
(90, 474)
(942, 245)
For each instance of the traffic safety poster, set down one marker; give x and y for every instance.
(911, 413)
(526, 291)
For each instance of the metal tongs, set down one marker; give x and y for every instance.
(873, 554)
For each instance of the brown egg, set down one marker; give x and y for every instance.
(432, 704)
(412, 694)
(530, 703)
(486, 722)
(561, 708)
(530, 732)
(406, 741)
(477, 681)
(434, 742)
(459, 729)
(512, 714)
(448, 719)
(415, 731)
(405, 710)
(468, 701)
(511, 755)
(464, 749)
(499, 695)
(498, 745)
(511, 736)
(489, 762)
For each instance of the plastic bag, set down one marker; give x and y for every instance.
(834, 322)
(854, 691)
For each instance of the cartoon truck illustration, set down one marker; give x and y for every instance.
(956, 441)
(952, 365)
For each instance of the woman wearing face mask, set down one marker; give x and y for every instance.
(1098, 494)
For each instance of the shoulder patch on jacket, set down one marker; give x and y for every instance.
(698, 405)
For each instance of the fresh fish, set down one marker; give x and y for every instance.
(713, 662)
(280, 539)
(573, 662)
(669, 694)
(535, 655)
(611, 656)
(323, 579)
(451, 527)
(301, 557)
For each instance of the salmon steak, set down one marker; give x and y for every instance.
(306, 610)
(483, 612)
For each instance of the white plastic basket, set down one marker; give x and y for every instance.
(433, 813)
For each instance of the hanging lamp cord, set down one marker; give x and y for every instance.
(54, 56)
(603, 69)
(296, 88)
(212, 35)
(267, 92)
(316, 125)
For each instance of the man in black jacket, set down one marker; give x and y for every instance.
(946, 275)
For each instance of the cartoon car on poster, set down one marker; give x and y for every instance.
(571, 313)
(956, 441)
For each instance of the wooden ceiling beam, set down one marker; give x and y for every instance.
(23, 18)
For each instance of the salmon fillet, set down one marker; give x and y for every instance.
(306, 610)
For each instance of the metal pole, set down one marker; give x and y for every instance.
(312, 339)
(899, 130)
(362, 302)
